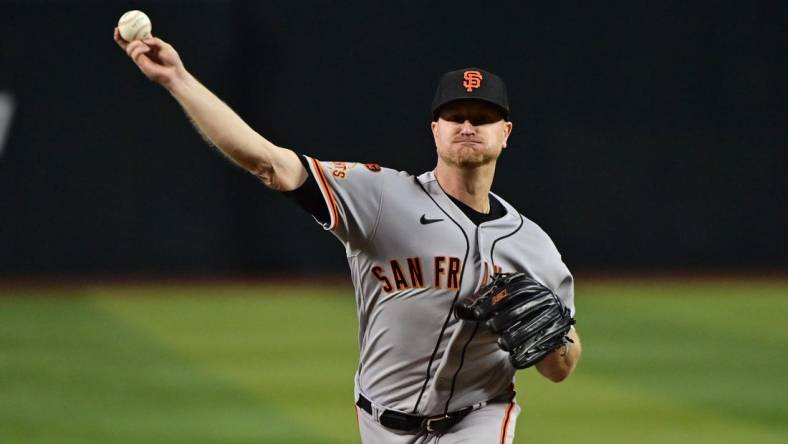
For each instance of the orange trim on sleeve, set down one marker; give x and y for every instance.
(506, 419)
(328, 194)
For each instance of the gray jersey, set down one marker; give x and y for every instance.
(412, 253)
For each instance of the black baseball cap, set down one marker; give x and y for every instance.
(470, 84)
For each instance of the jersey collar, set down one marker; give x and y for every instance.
(430, 183)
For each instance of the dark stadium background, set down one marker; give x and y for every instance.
(647, 135)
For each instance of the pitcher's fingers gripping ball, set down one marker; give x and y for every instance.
(529, 318)
(134, 25)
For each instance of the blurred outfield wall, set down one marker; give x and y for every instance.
(645, 135)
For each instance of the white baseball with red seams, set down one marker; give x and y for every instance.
(134, 25)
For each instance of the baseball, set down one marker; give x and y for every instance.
(134, 25)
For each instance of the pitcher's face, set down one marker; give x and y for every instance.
(470, 133)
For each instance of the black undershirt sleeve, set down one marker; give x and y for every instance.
(308, 195)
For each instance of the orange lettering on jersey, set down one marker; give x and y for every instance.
(372, 167)
(378, 272)
(416, 278)
(340, 169)
(453, 281)
(473, 79)
(399, 278)
(439, 270)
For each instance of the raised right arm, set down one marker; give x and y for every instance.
(278, 168)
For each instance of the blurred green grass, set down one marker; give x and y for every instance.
(664, 362)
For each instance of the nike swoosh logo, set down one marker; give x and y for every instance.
(425, 221)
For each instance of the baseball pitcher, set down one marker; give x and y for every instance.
(455, 289)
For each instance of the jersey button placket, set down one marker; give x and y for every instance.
(486, 262)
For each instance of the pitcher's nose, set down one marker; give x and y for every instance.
(467, 128)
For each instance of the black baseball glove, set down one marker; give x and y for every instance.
(529, 318)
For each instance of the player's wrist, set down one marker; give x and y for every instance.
(180, 82)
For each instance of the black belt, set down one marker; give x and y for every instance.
(414, 423)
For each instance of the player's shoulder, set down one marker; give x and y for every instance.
(528, 227)
(342, 170)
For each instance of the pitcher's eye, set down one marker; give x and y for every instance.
(453, 117)
(483, 119)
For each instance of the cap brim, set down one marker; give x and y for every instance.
(437, 110)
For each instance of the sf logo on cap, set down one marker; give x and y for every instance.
(473, 79)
